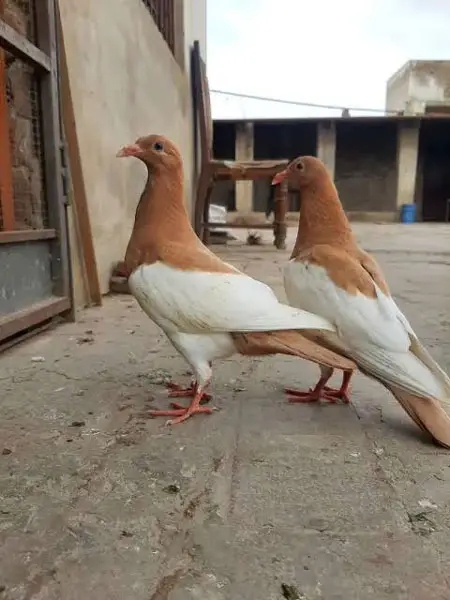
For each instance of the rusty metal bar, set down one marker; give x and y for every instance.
(26, 235)
(6, 193)
(19, 46)
(6, 188)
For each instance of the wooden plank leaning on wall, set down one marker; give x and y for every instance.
(80, 207)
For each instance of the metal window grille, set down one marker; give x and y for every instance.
(162, 12)
(22, 92)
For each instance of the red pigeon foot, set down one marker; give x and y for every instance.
(178, 391)
(322, 392)
(312, 395)
(336, 394)
(343, 392)
(181, 412)
(330, 395)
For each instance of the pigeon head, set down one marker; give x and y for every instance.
(302, 172)
(156, 151)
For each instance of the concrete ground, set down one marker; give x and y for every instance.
(262, 500)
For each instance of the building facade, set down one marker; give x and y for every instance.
(420, 87)
(378, 163)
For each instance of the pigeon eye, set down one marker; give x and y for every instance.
(299, 166)
(158, 147)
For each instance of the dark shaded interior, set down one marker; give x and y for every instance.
(434, 184)
(224, 149)
(224, 140)
(366, 165)
(280, 140)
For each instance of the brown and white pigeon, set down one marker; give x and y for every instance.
(330, 274)
(207, 308)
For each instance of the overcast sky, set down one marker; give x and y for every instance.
(338, 52)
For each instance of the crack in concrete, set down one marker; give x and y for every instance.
(64, 375)
(238, 429)
(381, 472)
(183, 537)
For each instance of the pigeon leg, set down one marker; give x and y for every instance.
(321, 391)
(313, 394)
(180, 412)
(178, 391)
(343, 392)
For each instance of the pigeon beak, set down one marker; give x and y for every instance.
(279, 177)
(129, 150)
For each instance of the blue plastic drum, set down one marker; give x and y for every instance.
(408, 213)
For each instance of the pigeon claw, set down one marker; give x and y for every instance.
(327, 394)
(336, 394)
(178, 391)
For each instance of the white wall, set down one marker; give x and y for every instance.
(125, 83)
(397, 89)
(417, 84)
